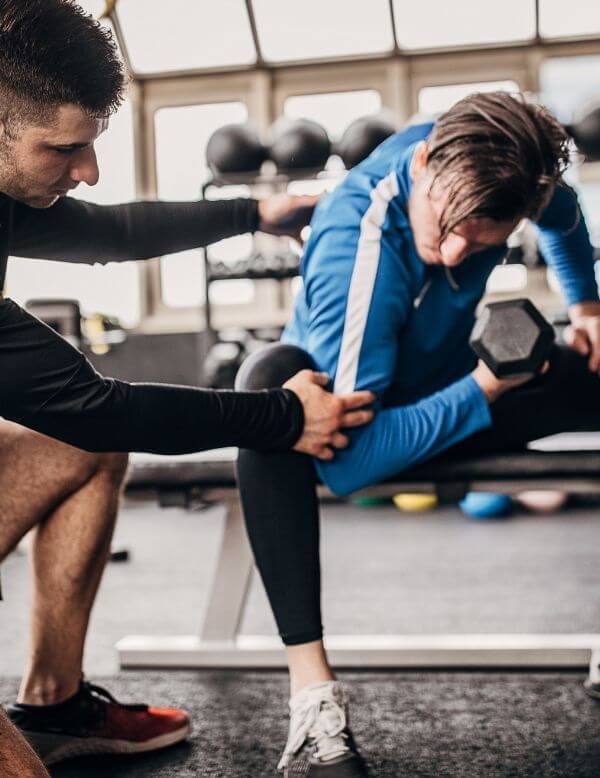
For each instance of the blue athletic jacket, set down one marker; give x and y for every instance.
(374, 316)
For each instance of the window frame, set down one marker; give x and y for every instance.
(248, 88)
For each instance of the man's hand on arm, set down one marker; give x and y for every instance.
(284, 214)
(326, 413)
(583, 334)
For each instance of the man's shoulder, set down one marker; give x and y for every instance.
(413, 133)
(389, 158)
(398, 143)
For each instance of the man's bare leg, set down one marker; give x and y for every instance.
(72, 496)
(17, 758)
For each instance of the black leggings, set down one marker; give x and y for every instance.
(278, 490)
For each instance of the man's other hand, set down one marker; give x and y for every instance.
(583, 334)
(326, 413)
(493, 387)
(284, 214)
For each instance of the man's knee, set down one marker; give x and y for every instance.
(114, 466)
(272, 366)
(59, 467)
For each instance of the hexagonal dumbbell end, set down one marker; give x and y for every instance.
(512, 338)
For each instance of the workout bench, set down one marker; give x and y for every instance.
(219, 643)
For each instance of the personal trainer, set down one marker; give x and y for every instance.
(66, 428)
(397, 261)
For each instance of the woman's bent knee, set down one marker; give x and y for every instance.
(272, 366)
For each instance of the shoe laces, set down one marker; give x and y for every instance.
(88, 689)
(318, 716)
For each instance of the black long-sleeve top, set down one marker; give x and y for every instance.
(49, 386)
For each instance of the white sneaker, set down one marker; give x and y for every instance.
(320, 742)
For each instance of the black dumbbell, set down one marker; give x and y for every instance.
(512, 338)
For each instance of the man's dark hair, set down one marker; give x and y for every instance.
(499, 156)
(52, 53)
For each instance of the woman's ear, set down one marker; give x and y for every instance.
(419, 160)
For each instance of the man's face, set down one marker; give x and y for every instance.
(43, 163)
(425, 207)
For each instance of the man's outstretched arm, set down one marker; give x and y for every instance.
(76, 231)
(49, 386)
(565, 243)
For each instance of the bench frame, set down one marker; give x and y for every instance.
(219, 644)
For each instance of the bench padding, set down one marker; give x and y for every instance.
(214, 471)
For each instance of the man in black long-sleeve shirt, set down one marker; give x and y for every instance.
(64, 424)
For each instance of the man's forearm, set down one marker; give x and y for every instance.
(404, 435)
(76, 231)
(49, 386)
(164, 419)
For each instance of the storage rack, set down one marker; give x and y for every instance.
(275, 266)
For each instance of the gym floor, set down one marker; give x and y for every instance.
(436, 572)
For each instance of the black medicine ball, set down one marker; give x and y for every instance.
(299, 144)
(235, 148)
(361, 137)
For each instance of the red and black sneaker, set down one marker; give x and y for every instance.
(93, 722)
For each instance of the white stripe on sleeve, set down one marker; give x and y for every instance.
(363, 282)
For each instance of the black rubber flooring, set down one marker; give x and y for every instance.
(467, 725)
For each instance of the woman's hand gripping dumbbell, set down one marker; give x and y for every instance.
(513, 342)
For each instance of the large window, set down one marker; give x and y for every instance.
(182, 134)
(577, 17)
(439, 23)
(186, 34)
(334, 110)
(315, 29)
(436, 99)
(182, 35)
(111, 289)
